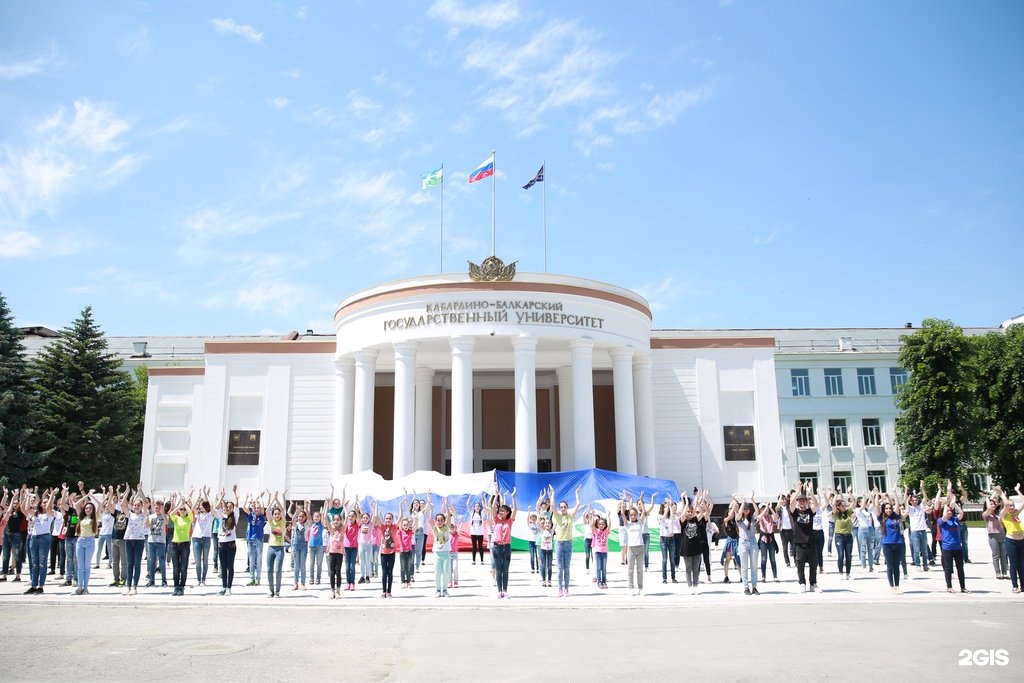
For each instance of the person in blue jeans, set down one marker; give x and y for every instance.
(866, 535)
(300, 547)
(316, 549)
(917, 513)
(257, 519)
(564, 520)
(156, 545)
(892, 544)
(842, 518)
(275, 550)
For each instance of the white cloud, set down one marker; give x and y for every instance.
(176, 125)
(764, 240)
(279, 102)
(62, 155)
(135, 43)
(482, 15)
(663, 293)
(33, 66)
(560, 66)
(18, 244)
(302, 13)
(231, 27)
(294, 73)
(360, 105)
(663, 110)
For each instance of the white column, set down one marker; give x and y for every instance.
(424, 418)
(525, 350)
(644, 405)
(344, 388)
(362, 411)
(405, 407)
(462, 404)
(584, 454)
(565, 423)
(625, 421)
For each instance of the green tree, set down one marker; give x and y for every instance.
(937, 428)
(1000, 370)
(18, 462)
(86, 414)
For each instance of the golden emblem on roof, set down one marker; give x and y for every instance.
(493, 269)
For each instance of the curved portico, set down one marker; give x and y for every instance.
(454, 353)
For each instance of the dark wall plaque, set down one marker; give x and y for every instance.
(739, 442)
(244, 447)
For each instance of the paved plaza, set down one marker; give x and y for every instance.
(846, 630)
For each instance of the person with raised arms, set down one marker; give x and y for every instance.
(1010, 516)
(135, 541)
(802, 509)
(952, 543)
(256, 518)
(182, 516)
(275, 548)
(563, 520)
(502, 516)
(226, 512)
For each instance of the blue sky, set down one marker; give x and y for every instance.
(217, 168)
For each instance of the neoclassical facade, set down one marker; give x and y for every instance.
(535, 372)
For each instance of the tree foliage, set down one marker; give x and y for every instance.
(86, 415)
(999, 367)
(18, 462)
(937, 429)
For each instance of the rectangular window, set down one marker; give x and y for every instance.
(876, 479)
(739, 442)
(810, 477)
(866, 381)
(833, 382)
(897, 378)
(244, 447)
(805, 433)
(872, 431)
(842, 481)
(801, 382)
(837, 435)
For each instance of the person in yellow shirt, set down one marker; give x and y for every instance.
(182, 515)
(564, 520)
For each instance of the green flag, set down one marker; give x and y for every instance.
(435, 177)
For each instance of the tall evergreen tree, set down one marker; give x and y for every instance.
(937, 428)
(18, 462)
(86, 416)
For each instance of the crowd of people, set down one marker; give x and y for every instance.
(66, 533)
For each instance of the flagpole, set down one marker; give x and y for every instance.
(494, 183)
(442, 217)
(544, 165)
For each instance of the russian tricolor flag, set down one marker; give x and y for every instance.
(484, 170)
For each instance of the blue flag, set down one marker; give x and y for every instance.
(539, 178)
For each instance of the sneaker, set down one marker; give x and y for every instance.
(126, 592)
(561, 592)
(78, 591)
(456, 584)
(30, 591)
(746, 591)
(437, 594)
(252, 582)
(3, 578)
(812, 588)
(17, 579)
(115, 584)
(803, 588)
(446, 594)
(222, 591)
(228, 592)
(725, 580)
(753, 591)
(383, 595)
(133, 591)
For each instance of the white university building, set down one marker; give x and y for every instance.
(534, 373)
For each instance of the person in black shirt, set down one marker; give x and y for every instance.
(802, 508)
(14, 539)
